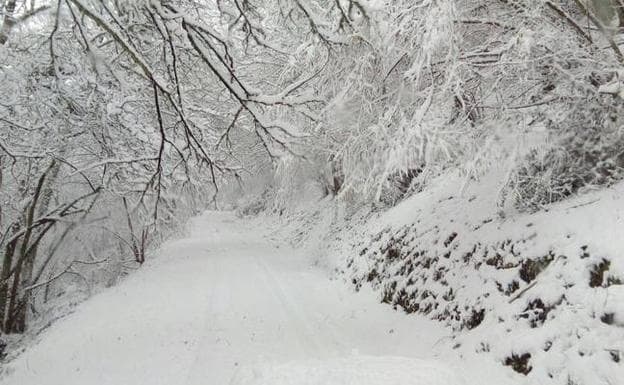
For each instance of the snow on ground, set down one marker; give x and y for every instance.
(355, 370)
(541, 293)
(228, 305)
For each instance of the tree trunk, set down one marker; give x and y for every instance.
(5, 275)
(12, 298)
(8, 22)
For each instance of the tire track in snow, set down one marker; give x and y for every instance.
(289, 307)
(215, 274)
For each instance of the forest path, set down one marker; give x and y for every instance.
(228, 306)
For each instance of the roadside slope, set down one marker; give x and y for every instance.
(541, 293)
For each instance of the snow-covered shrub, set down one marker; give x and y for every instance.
(254, 206)
(399, 185)
(589, 153)
(441, 85)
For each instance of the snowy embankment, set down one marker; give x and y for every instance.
(541, 294)
(233, 304)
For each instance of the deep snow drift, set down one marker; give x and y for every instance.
(232, 304)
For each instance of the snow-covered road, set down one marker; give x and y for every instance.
(229, 306)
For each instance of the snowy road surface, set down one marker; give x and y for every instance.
(229, 306)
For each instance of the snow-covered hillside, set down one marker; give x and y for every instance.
(541, 294)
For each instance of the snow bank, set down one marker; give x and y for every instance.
(541, 293)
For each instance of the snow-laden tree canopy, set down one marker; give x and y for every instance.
(119, 119)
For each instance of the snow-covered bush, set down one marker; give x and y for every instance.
(442, 85)
(588, 153)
